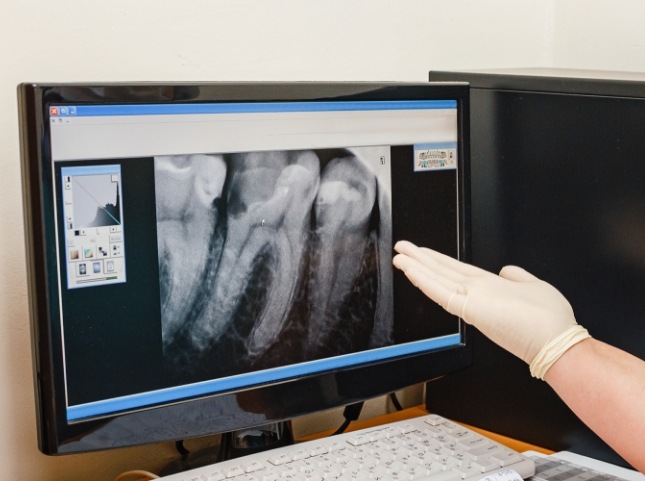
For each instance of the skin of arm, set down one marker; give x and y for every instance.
(605, 387)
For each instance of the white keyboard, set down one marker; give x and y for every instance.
(425, 448)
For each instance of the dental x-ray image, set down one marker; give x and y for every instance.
(268, 258)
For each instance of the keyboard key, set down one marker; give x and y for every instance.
(359, 439)
(390, 431)
(449, 427)
(318, 450)
(434, 420)
(506, 457)
(475, 442)
(254, 466)
(216, 476)
(233, 471)
(279, 459)
(299, 454)
(408, 428)
(483, 451)
(337, 446)
(469, 469)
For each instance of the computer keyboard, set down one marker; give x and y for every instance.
(425, 448)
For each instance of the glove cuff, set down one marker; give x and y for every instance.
(553, 349)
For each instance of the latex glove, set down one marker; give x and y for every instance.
(516, 310)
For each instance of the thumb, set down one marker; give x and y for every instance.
(514, 273)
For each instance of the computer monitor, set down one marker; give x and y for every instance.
(206, 258)
(557, 171)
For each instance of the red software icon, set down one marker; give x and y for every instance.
(53, 111)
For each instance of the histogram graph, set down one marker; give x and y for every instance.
(93, 215)
(96, 200)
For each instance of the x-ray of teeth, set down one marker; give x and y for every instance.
(273, 257)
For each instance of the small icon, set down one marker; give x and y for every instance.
(72, 110)
(53, 111)
(63, 111)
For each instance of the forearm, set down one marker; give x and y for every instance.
(605, 388)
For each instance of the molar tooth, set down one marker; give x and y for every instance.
(346, 197)
(274, 216)
(186, 221)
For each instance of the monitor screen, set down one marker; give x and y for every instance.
(204, 258)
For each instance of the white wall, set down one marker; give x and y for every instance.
(599, 34)
(75, 40)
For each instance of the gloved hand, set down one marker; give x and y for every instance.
(516, 310)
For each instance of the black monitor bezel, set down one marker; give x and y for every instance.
(229, 411)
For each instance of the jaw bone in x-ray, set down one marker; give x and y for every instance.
(266, 250)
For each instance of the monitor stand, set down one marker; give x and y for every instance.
(235, 444)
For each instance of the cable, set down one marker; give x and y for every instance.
(181, 449)
(395, 402)
(350, 413)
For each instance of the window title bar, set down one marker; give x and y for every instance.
(251, 107)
